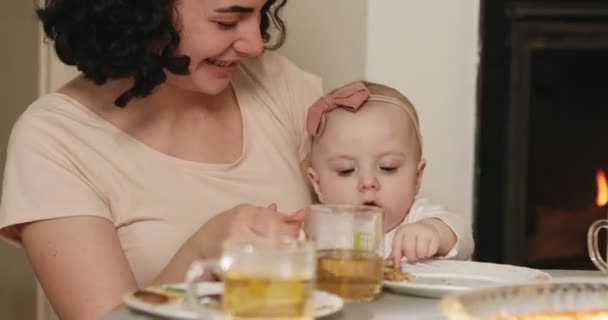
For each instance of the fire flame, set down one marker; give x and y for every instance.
(602, 188)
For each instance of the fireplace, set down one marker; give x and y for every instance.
(543, 130)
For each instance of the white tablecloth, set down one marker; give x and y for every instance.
(389, 306)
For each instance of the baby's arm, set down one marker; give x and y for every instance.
(421, 240)
(447, 237)
(430, 230)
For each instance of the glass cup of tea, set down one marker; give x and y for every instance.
(593, 244)
(262, 280)
(349, 249)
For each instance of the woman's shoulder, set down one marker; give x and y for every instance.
(55, 105)
(55, 117)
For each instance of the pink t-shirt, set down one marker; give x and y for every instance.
(64, 160)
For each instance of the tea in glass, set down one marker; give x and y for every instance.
(352, 274)
(261, 281)
(249, 297)
(349, 249)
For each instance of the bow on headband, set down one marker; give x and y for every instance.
(351, 96)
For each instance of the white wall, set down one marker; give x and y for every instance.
(429, 51)
(327, 37)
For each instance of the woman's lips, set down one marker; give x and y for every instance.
(221, 67)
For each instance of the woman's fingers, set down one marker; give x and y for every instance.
(297, 216)
(269, 223)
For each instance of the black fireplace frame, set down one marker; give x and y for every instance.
(510, 33)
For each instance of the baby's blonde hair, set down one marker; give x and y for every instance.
(383, 90)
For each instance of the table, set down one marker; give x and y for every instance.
(389, 306)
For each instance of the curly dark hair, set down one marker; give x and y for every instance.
(112, 39)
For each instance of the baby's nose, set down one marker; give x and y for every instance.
(369, 183)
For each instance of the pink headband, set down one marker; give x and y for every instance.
(352, 97)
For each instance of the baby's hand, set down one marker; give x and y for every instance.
(414, 241)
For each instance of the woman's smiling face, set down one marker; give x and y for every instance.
(216, 35)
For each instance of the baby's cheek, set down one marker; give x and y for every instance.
(338, 193)
(393, 219)
(336, 197)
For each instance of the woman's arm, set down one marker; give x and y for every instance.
(82, 267)
(80, 264)
(83, 270)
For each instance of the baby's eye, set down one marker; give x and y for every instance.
(346, 172)
(388, 169)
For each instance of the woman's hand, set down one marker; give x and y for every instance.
(245, 222)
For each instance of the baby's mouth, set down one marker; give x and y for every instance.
(372, 204)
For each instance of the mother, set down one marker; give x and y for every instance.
(181, 132)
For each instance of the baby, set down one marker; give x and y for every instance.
(367, 150)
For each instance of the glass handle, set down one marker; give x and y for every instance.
(193, 275)
(593, 244)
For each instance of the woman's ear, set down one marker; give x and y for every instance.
(420, 173)
(314, 180)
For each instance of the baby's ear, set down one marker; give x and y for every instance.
(313, 177)
(420, 173)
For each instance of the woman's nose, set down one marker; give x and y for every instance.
(250, 41)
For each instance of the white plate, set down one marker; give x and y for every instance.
(325, 303)
(440, 277)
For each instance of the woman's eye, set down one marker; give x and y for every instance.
(226, 25)
(346, 172)
(388, 169)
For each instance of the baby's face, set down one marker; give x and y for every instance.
(369, 157)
